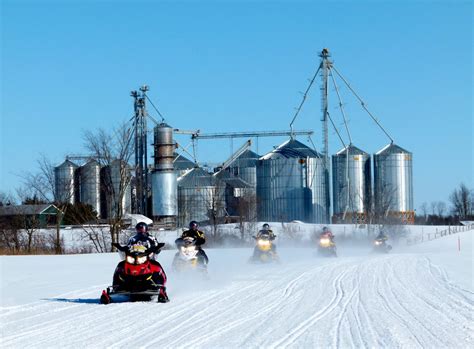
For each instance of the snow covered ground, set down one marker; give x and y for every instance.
(417, 296)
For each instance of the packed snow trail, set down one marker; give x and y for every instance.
(396, 300)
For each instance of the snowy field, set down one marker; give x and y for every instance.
(419, 296)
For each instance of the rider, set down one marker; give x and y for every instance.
(382, 236)
(326, 233)
(198, 235)
(143, 237)
(266, 231)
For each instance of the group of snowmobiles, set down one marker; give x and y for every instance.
(139, 277)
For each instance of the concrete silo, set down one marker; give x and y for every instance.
(393, 183)
(291, 185)
(351, 178)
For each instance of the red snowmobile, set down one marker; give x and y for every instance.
(138, 277)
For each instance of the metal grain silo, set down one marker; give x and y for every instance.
(65, 182)
(393, 183)
(291, 185)
(90, 184)
(201, 197)
(163, 180)
(182, 164)
(351, 185)
(116, 185)
(245, 167)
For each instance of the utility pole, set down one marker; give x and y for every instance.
(141, 155)
(325, 66)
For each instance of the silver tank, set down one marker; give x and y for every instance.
(393, 181)
(198, 194)
(245, 167)
(351, 182)
(65, 182)
(90, 184)
(291, 185)
(165, 193)
(163, 178)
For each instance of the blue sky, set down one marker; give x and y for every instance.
(68, 66)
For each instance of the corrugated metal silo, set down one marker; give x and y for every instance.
(351, 185)
(291, 185)
(182, 164)
(116, 180)
(245, 167)
(240, 199)
(163, 181)
(393, 183)
(90, 184)
(65, 182)
(199, 195)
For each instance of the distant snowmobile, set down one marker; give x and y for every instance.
(264, 251)
(327, 246)
(137, 278)
(188, 257)
(381, 246)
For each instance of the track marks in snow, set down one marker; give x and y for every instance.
(380, 301)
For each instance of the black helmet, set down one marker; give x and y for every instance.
(141, 227)
(325, 229)
(266, 226)
(193, 225)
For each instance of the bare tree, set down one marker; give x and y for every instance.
(246, 209)
(6, 199)
(215, 202)
(462, 200)
(43, 185)
(113, 152)
(440, 208)
(424, 210)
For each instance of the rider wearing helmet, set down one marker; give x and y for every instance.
(142, 237)
(326, 232)
(382, 236)
(266, 231)
(198, 235)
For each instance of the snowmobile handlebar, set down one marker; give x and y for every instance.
(125, 248)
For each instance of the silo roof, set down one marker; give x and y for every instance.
(291, 149)
(67, 163)
(197, 177)
(247, 159)
(232, 180)
(392, 149)
(182, 163)
(353, 150)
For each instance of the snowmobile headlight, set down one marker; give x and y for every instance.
(263, 243)
(378, 243)
(141, 260)
(130, 260)
(324, 241)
